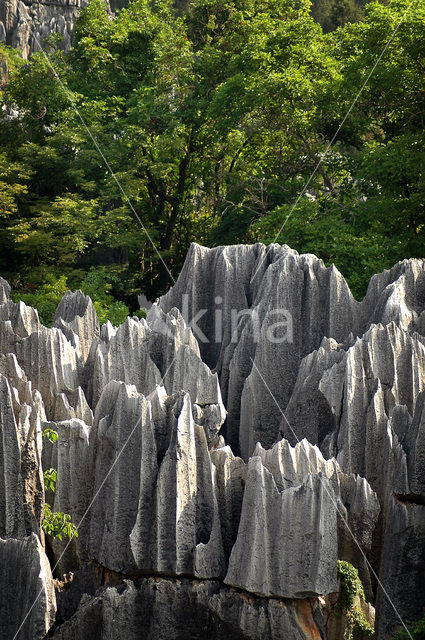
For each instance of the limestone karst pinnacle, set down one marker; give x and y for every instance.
(25, 25)
(216, 484)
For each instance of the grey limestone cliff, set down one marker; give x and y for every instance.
(27, 595)
(25, 25)
(212, 469)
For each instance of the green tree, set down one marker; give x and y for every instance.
(370, 214)
(179, 105)
(214, 121)
(343, 11)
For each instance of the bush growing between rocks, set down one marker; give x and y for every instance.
(55, 523)
(349, 603)
(97, 284)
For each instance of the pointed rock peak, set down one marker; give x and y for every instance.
(5, 289)
(107, 332)
(75, 303)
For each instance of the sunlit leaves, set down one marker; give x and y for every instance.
(213, 122)
(13, 186)
(58, 525)
(50, 434)
(50, 478)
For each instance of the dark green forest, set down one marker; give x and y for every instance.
(218, 122)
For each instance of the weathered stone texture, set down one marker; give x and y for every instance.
(159, 608)
(25, 25)
(153, 415)
(27, 595)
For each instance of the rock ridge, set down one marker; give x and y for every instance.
(179, 464)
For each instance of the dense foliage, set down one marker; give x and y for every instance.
(350, 600)
(213, 122)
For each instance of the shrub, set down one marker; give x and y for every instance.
(45, 298)
(350, 599)
(140, 313)
(97, 284)
(57, 524)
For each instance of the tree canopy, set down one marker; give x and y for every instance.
(217, 125)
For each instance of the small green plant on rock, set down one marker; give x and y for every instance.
(50, 477)
(50, 434)
(55, 523)
(349, 602)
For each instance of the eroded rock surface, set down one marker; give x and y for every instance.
(25, 25)
(27, 595)
(349, 378)
(155, 608)
(219, 456)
